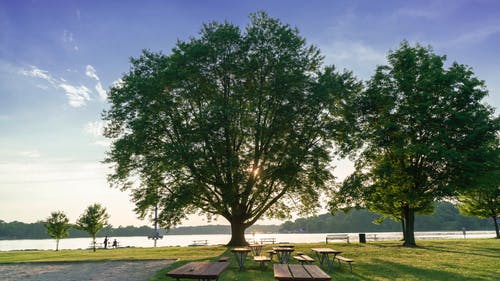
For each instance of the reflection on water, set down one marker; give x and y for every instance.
(215, 239)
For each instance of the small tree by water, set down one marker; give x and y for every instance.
(93, 220)
(57, 226)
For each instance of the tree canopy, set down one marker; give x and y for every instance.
(424, 131)
(93, 220)
(237, 124)
(57, 226)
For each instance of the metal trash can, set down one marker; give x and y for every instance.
(362, 238)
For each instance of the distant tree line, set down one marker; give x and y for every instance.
(21, 230)
(221, 229)
(36, 230)
(446, 218)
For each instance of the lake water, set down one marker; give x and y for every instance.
(215, 239)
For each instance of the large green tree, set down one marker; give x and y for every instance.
(424, 131)
(57, 226)
(234, 123)
(483, 200)
(93, 220)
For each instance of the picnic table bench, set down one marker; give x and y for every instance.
(262, 260)
(349, 261)
(224, 258)
(203, 271)
(271, 253)
(303, 259)
(297, 272)
(333, 237)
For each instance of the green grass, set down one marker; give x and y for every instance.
(471, 259)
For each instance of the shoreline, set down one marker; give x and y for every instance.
(129, 242)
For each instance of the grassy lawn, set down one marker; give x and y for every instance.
(471, 259)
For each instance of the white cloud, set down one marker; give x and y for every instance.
(95, 129)
(474, 36)
(90, 72)
(43, 87)
(78, 96)
(39, 73)
(346, 51)
(117, 83)
(31, 154)
(356, 56)
(104, 143)
(102, 93)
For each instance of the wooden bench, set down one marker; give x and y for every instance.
(304, 259)
(340, 258)
(223, 259)
(262, 260)
(199, 243)
(291, 272)
(271, 253)
(337, 237)
(267, 240)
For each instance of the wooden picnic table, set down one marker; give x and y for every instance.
(241, 255)
(323, 255)
(283, 253)
(203, 271)
(297, 272)
(256, 249)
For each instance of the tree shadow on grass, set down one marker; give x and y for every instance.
(495, 253)
(391, 271)
(472, 250)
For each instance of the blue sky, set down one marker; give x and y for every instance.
(58, 59)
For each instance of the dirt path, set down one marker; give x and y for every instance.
(82, 271)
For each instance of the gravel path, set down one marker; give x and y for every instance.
(83, 271)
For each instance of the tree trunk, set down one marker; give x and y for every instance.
(409, 235)
(57, 244)
(93, 243)
(403, 228)
(237, 233)
(496, 225)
